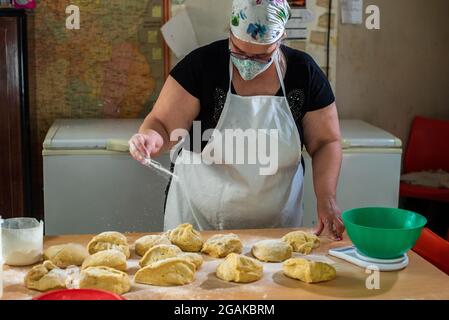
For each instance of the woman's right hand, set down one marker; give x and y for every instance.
(143, 146)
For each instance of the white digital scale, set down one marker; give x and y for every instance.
(352, 255)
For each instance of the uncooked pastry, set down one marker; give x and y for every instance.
(302, 241)
(220, 245)
(64, 255)
(145, 243)
(167, 272)
(107, 258)
(45, 276)
(195, 258)
(104, 278)
(239, 268)
(272, 250)
(109, 240)
(308, 271)
(185, 237)
(159, 252)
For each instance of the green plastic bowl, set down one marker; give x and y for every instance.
(383, 233)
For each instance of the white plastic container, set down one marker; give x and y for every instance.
(22, 241)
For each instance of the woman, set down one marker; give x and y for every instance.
(248, 82)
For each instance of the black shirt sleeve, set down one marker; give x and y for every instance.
(320, 91)
(187, 73)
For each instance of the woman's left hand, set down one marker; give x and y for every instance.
(329, 222)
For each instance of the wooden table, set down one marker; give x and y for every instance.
(420, 280)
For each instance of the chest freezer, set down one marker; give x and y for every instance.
(370, 172)
(89, 189)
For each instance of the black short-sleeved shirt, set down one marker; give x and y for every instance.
(204, 73)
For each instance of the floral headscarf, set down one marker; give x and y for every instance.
(259, 21)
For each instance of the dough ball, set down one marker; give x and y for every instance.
(64, 255)
(239, 268)
(220, 245)
(145, 243)
(109, 240)
(168, 272)
(302, 241)
(107, 258)
(308, 271)
(185, 237)
(195, 258)
(272, 250)
(45, 276)
(159, 252)
(104, 278)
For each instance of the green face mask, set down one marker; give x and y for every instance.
(249, 69)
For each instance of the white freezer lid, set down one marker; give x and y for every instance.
(76, 134)
(360, 134)
(89, 134)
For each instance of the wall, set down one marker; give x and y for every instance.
(388, 76)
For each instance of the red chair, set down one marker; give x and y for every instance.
(434, 249)
(427, 149)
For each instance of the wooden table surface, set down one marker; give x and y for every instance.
(419, 280)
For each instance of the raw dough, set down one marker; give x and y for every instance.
(45, 276)
(308, 271)
(168, 272)
(185, 237)
(109, 240)
(145, 243)
(104, 278)
(195, 258)
(64, 255)
(273, 250)
(159, 252)
(239, 268)
(302, 241)
(107, 258)
(220, 245)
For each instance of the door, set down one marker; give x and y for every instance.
(12, 196)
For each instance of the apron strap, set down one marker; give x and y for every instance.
(231, 73)
(279, 73)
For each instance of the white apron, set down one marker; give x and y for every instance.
(236, 196)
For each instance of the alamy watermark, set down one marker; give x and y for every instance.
(372, 282)
(231, 146)
(372, 21)
(73, 21)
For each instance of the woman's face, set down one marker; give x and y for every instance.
(257, 51)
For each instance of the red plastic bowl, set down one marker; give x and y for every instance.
(79, 294)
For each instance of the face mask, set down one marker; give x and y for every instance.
(250, 69)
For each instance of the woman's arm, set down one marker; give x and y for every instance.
(174, 109)
(323, 143)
